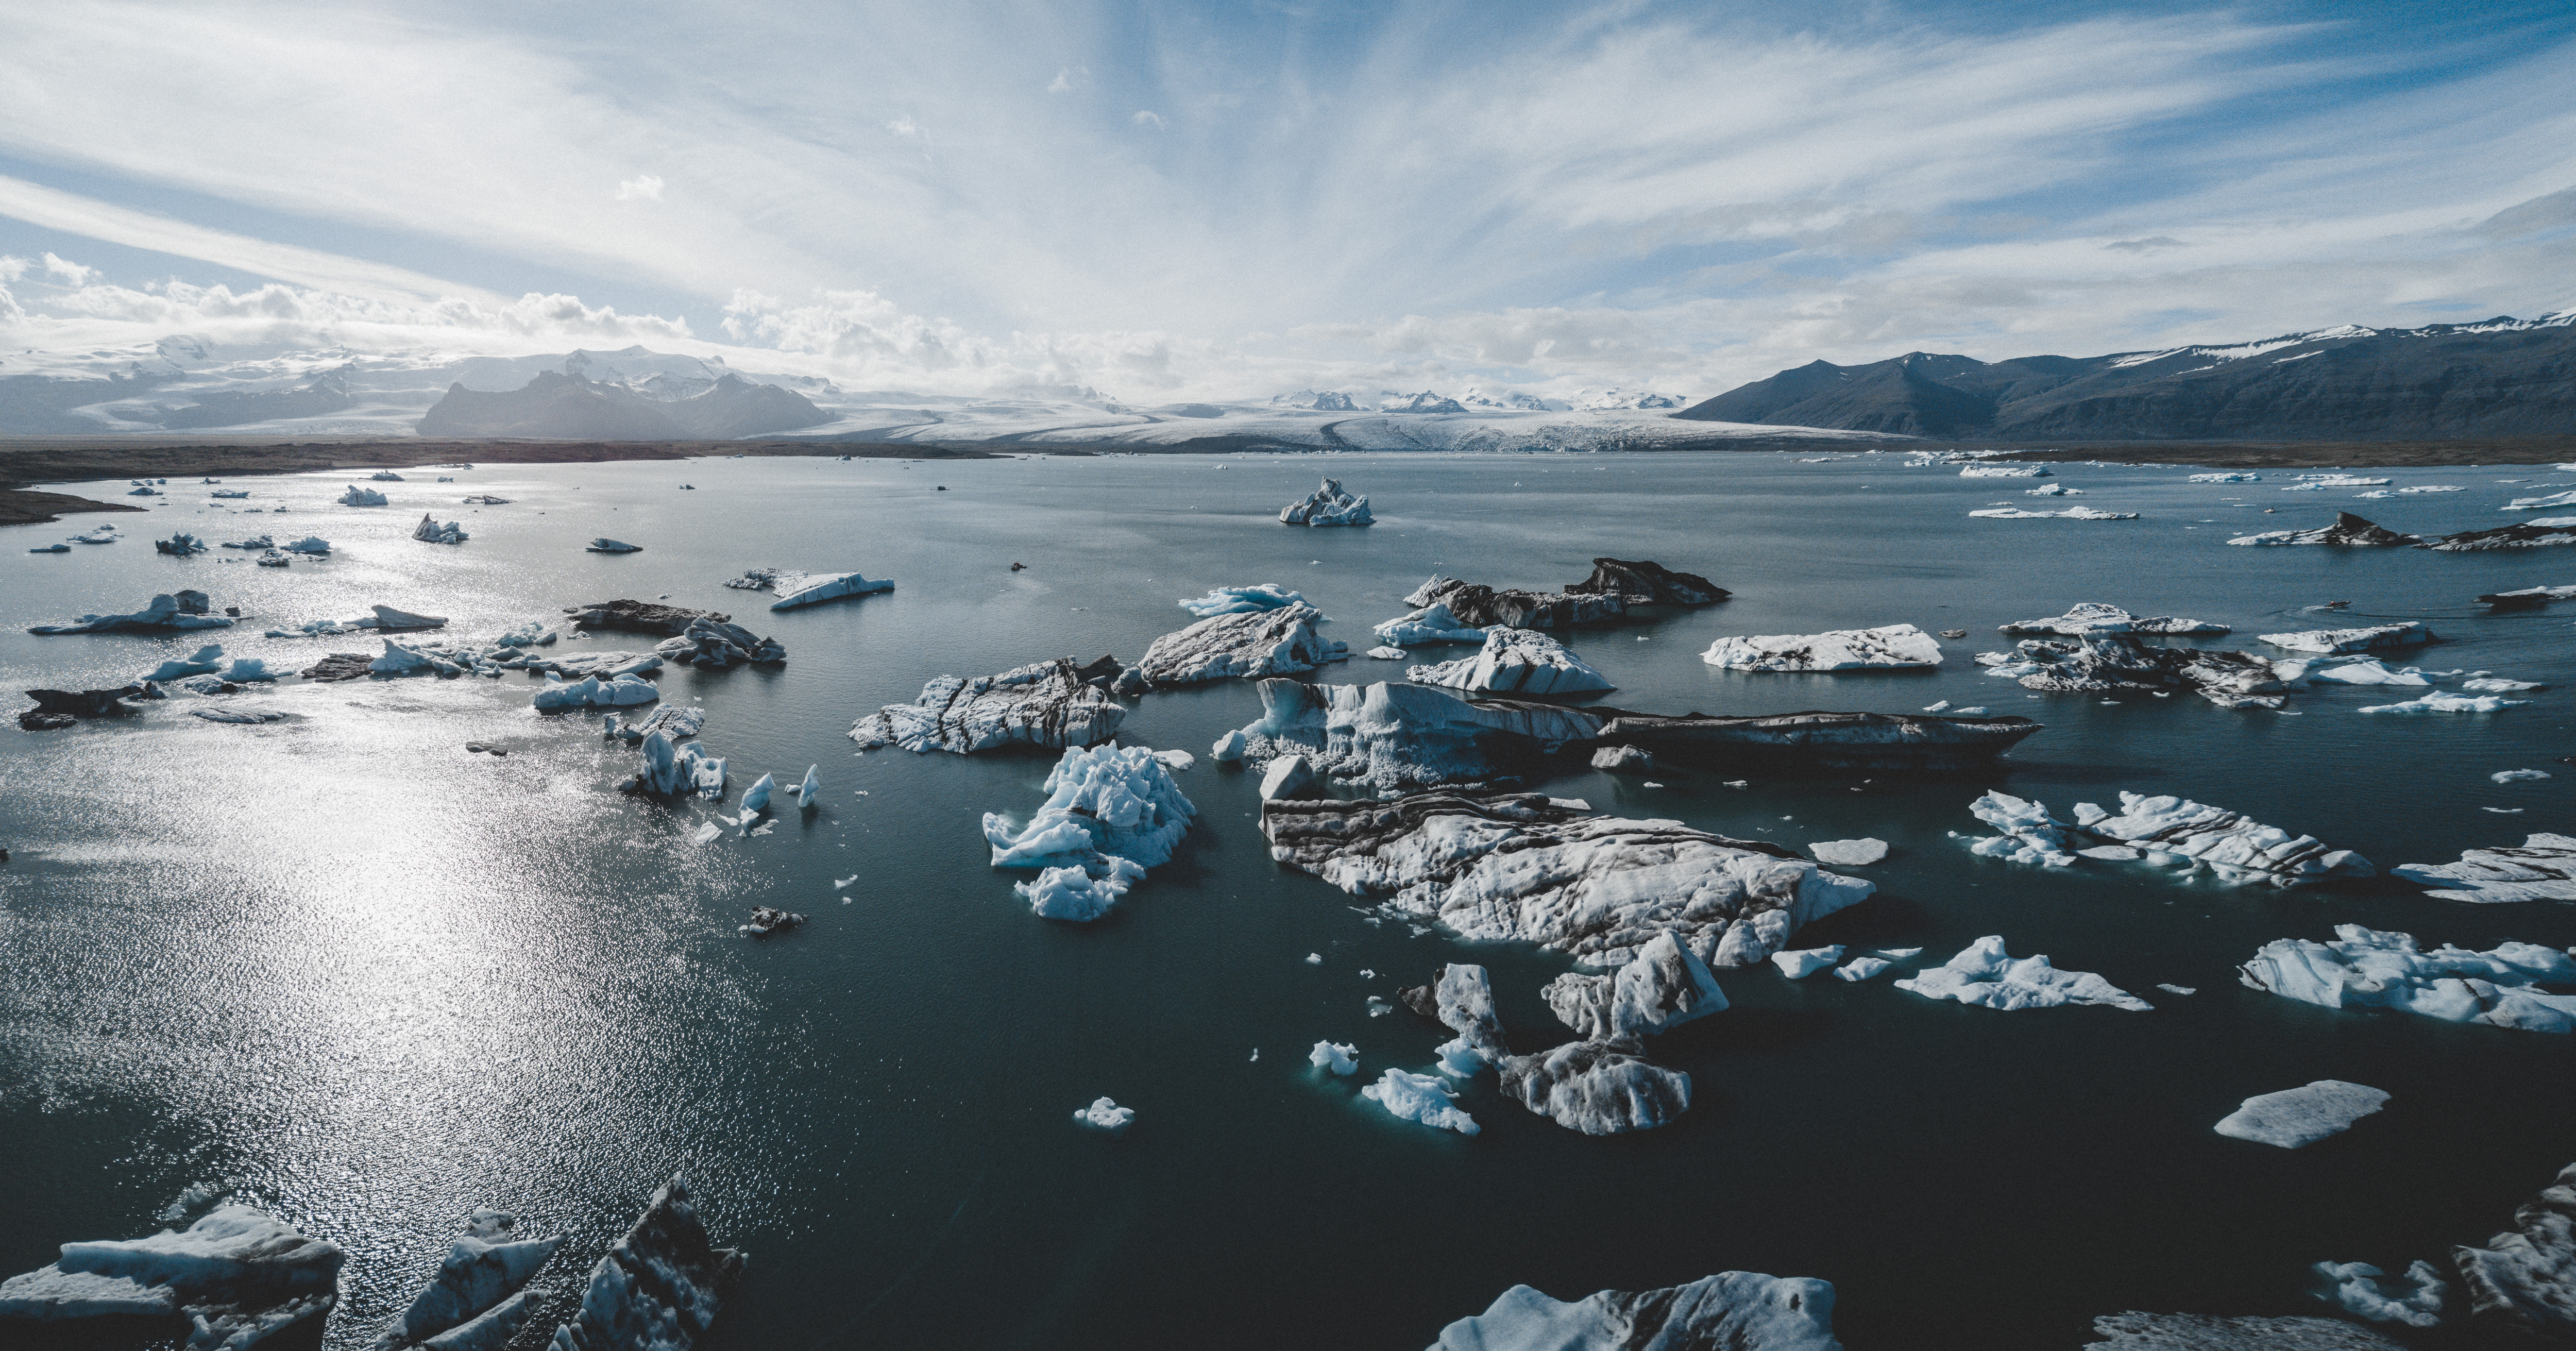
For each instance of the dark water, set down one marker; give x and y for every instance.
(359, 975)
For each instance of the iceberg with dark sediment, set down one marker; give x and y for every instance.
(2374, 638)
(2296, 1117)
(182, 545)
(2093, 619)
(204, 661)
(1462, 1000)
(1818, 739)
(1327, 505)
(430, 531)
(659, 1288)
(1241, 600)
(1250, 645)
(1597, 1087)
(313, 545)
(675, 770)
(1045, 704)
(712, 644)
(179, 611)
(2166, 831)
(1889, 647)
(1475, 606)
(1515, 661)
(257, 542)
(1662, 987)
(2542, 869)
(360, 497)
(639, 616)
(1646, 583)
(2069, 514)
(2120, 662)
(2007, 471)
(2538, 533)
(2441, 702)
(2347, 530)
(238, 1272)
(1730, 1311)
(2372, 968)
(605, 545)
(2522, 1284)
(478, 1297)
(1534, 869)
(1984, 974)
(797, 590)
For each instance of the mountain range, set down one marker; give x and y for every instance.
(2502, 377)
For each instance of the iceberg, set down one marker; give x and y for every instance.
(660, 1287)
(1861, 968)
(1646, 583)
(254, 542)
(2567, 499)
(2164, 829)
(1110, 802)
(180, 611)
(1239, 600)
(1392, 737)
(229, 492)
(2542, 532)
(182, 545)
(1819, 740)
(249, 670)
(1045, 704)
(809, 794)
(2372, 968)
(1420, 1097)
(1529, 868)
(105, 534)
(2224, 478)
(234, 1270)
(1806, 962)
(672, 770)
(1984, 974)
(1734, 1310)
(310, 544)
(2122, 662)
(2297, 1117)
(2347, 530)
(2070, 514)
(1462, 1000)
(2366, 671)
(591, 691)
(51, 549)
(816, 588)
(360, 497)
(1327, 505)
(1340, 1059)
(384, 476)
(755, 799)
(1662, 987)
(1596, 1087)
(1623, 760)
(636, 616)
(2093, 619)
(1259, 643)
(2542, 869)
(2007, 471)
(1289, 776)
(2523, 1282)
(482, 1270)
(1106, 1115)
(1479, 607)
(2438, 702)
(2357, 1287)
(429, 531)
(2374, 638)
(204, 661)
(529, 633)
(712, 644)
(1515, 661)
(1848, 853)
(605, 545)
(1422, 628)
(1893, 646)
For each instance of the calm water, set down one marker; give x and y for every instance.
(363, 977)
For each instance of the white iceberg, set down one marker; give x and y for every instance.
(605, 545)
(2296, 1117)
(1237, 600)
(1108, 802)
(1596, 1087)
(2542, 869)
(2007, 471)
(1260, 643)
(430, 531)
(2566, 499)
(310, 544)
(1848, 853)
(2440, 702)
(1984, 974)
(1420, 1097)
(1328, 505)
(2372, 968)
(672, 770)
(2163, 830)
(2070, 514)
(1861, 968)
(659, 1287)
(1662, 987)
(1893, 646)
(482, 1270)
(815, 588)
(361, 497)
(1515, 661)
(755, 799)
(2370, 639)
(590, 691)
(2093, 618)
(182, 610)
(1074, 893)
(1424, 627)
(1106, 1115)
(1392, 737)
(2367, 671)
(236, 1267)
(1732, 1310)
(204, 661)
(1045, 704)
(2225, 478)
(1340, 1059)
(1806, 962)
(1289, 776)
(2372, 1295)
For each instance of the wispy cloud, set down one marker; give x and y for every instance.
(641, 188)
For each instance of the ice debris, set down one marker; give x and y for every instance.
(2093, 619)
(2373, 638)
(1861, 968)
(476, 1299)
(1340, 1059)
(1985, 974)
(672, 770)
(2165, 831)
(2070, 514)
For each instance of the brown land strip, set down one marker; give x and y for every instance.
(18, 506)
(2464, 453)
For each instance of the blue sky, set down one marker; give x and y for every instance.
(1228, 200)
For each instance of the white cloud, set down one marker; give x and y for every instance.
(1063, 81)
(642, 187)
(1147, 118)
(904, 126)
(67, 273)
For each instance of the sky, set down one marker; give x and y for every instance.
(1231, 200)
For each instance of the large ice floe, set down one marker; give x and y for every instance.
(2523, 1282)
(659, 1288)
(2372, 968)
(2373, 638)
(1229, 646)
(2164, 831)
(712, 644)
(2069, 514)
(479, 1297)
(2542, 869)
(1327, 505)
(2442, 702)
(430, 531)
(1515, 661)
(1046, 704)
(2348, 530)
(2120, 662)
(177, 611)
(2093, 619)
(588, 692)
(1641, 582)
(1241, 600)
(1730, 1311)
(2297, 1117)
(2538, 533)
(800, 589)
(360, 497)
(1111, 813)
(1529, 868)
(675, 770)
(1985, 974)
(240, 1274)
(1889, 647)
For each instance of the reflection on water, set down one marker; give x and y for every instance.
(350, 970)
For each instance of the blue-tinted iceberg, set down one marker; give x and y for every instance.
(1237, 600)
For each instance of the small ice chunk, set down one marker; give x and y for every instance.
(1860, 968)
(2302, 1116)
(809, 794)
(1805, 962)
(1848, 853)
(1289, 777)
(1419, 1097)
(2176, 989)
(755, 799)
(707, 833)
(1105, 1115)
(2518, 775)
(1314, 959)
(2415, 1299)
(1340, 1059)
(1179, 762)
(1382, 652)
(1936, 707)
(1229, 747)
(1900, 954)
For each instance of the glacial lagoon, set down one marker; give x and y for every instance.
(373, 982)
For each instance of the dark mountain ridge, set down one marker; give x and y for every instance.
(557, 406)
(2502, 377)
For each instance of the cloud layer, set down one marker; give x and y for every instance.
(1209, 203)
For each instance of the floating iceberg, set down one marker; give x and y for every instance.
(1821, 740)
(2224, 478)
(2295, 1117)
(816, 588)
(1861, 968)
(1984, 974)
(1896, 645)
(2567, 499)
(1104, 804)
(2165, 830)
(2007, 471)
(1327, 505)
(1106, 1115)
(235, 1271)
(605, 545)
(2374, 638)
(1340, 1059)
(1424, 627)
(1289, 776)
(1075, 894)
(360, 497)
(1392, 737)
(1045, 704)
(184, 610)
(1528, 868)
(2070, 514)
(1241, 600)
(429, 531)
(51, 549)
(182, 545)
(2347, 529)
(204, 661)
(2523, 1282)
(1623, 760)
(1642, 582)
(714, 645)
(1515, 661)
(476, 1291)
(2438, 702)
(254, 542)
(2540, 533)
(384, 476)
(2365, 671)
(228, 492)
(1420, 1097)
(2121, 662)
(2358, 1288)
(660, 1287)
(671, 770)
(1806, 962)
(1848, 853)
(1596, 1087)
(1479, 607)
(2371, 968)
(1662, 987)
(1734, 1310)
(1260, 643)
(2053, 490)
(310, 544)
(2093, 619)
(2542, 869)
(638, 616)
